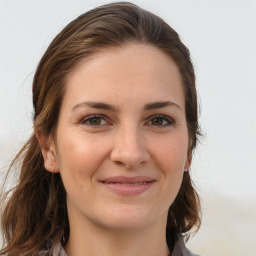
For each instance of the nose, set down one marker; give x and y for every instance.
(129, 148)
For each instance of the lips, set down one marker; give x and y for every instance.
(127, 180)
(128, 186)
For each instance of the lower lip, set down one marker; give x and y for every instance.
(128, 189)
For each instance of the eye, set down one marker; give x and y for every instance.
(94, 120)
(160, 120)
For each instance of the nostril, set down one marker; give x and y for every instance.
(129, 158)
(122, 164)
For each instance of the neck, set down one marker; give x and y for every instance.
(94, 240)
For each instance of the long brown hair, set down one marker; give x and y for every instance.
(34, 211)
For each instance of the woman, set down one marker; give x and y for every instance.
(115, 123)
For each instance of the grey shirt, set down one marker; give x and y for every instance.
(179, 250)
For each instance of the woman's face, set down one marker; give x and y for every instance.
(122, 140)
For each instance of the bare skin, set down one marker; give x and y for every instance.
(121, 149)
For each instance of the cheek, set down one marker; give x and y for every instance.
(79, 157)
(171, 153)
(170, 157)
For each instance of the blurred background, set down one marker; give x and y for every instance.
(221, 36)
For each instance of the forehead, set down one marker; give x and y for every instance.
(125, 73)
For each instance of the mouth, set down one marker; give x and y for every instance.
(128, 186)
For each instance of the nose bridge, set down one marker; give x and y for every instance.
(129, 146)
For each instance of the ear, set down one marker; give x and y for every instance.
(48, 152)
(188, 161)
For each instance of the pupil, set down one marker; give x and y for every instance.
(95, 121)
(157, 121)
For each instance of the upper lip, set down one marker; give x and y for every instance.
(128, 180)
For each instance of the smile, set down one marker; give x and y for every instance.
(128, 186)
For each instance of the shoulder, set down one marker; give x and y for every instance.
(180, 248)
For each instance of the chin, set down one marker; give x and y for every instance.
(128, 218)
(124, 224)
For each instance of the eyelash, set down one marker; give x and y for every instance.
(90, 118)
(169, 120)
(164, 118)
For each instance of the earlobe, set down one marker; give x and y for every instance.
(50, 159)
(188, 161)
(49, 153)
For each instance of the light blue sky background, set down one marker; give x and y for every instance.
(221, 36)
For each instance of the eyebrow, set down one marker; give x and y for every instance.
(161, 104)
(98, 105)
(148, 106)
